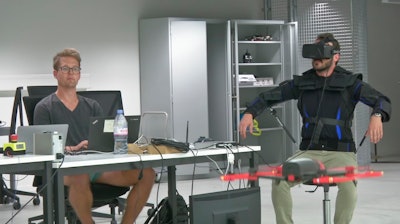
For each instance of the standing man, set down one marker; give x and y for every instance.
(327, 95)
(65, 106)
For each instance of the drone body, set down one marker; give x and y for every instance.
(305, 170)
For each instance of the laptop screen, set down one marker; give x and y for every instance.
(25, 133)
(101, 132)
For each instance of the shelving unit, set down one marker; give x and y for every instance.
(272, 46)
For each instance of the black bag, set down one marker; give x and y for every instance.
(163, 213)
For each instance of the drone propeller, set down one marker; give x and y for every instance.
(273, 172)
(346, 177)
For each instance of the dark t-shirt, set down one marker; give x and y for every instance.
(50, 110)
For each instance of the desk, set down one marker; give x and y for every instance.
(107, 162)
(33, 164)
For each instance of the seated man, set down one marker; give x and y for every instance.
(326, 98)
(65, 106)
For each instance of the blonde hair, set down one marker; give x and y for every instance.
(67, 52)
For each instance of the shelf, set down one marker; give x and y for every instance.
(259, 42)
(268, 61)
(274, 107)
(260, 64)
(250, 87)
(259, 22)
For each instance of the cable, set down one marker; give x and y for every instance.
(194, 169)
(161, 173)
(361, 142)
(317, 114)
(216, 164)
(38, 192)
(85, 152)
(22, 178)
(140, 175)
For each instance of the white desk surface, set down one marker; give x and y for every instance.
(109, 158)
(27, 158)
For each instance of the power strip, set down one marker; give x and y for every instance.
(226, 144)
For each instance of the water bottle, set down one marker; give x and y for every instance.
(120, 133)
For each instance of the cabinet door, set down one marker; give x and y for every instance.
(173, 74)
(189, 79)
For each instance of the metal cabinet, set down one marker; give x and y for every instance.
(263, 55)
(173, 74)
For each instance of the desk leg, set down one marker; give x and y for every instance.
(172, 192)
(253, 162)
(1, 190)
(59, 202)
(48, 196)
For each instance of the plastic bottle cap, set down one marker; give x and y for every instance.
(120, 111)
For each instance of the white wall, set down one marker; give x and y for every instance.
(105, 32)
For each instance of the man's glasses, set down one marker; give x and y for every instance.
(66, 69)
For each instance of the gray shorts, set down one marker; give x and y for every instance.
(94, 176)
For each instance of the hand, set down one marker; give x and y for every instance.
(375, 129)
(82, 145)
(246, 123)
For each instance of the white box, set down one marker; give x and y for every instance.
(267, 81)
(246, 79)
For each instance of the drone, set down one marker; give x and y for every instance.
(306, 170)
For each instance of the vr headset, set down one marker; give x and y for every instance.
(318, 50)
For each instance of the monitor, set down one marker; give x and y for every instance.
(240, 206)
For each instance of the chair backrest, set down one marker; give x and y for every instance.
(109, 100)
(30, 104)
(41, 90)
(153, 124)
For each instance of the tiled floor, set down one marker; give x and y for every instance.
(379, 199)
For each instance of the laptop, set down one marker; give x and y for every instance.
(101, 129)
(26, 133)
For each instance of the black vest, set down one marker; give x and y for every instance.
(327, 107)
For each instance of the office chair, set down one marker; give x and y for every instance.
(153, 124)
(41, 90)
(103, 194)
(109, 100)
(10, 195)
(326, 202)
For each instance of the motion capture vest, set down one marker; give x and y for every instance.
(327, 106)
